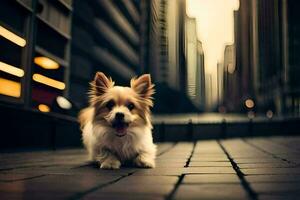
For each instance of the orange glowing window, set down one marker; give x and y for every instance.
(11, 69)
(46, 63)
(48, 81)
(10, 88)
(12, 37)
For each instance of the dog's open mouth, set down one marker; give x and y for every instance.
(120, 127)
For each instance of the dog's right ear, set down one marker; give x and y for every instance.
(101, 83)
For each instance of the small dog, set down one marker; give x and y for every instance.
(116, 127)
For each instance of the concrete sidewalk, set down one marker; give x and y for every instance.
(256, 168)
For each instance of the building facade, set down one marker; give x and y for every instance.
(266, 35)
(59, 45)
(230, 84)
(169, 56)
(166, 43)
(194, 64)
(106, 37)
(35, 40)
(200, 78)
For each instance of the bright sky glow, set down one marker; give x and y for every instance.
(215, 29)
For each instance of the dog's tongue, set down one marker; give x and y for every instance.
(121, 130)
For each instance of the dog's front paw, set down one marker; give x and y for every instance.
(110, 164)
(144, 162)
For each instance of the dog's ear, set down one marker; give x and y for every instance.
(101, 83)
(143, 86)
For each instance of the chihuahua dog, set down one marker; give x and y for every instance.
(116, 127)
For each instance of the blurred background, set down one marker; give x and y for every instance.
(211, 60)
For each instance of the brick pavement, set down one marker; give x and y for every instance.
(254, 168)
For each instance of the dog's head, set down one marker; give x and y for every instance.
(121, 108)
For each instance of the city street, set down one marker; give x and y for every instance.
(250, 168)
(215, 84)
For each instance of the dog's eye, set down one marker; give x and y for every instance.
(110, 104)
(130, 106)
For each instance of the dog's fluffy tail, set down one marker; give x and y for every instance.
(85, 115)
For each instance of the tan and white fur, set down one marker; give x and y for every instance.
(116, 127)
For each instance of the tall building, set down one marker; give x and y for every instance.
(191, 57)
(266, 35)
(290, 30)
(231, 85)
(200, 78)
(278, 28)
(220, 84)
(167, 56)
(194, 64)
(35, 39)
(166, 43)
(53, 48)
(244, 61)
(106, 37)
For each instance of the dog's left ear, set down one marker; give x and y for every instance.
(143, 86)
(101, 83)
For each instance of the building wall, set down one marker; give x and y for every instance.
(220, 84)
(166, 48)
(191, 57)
(106, 37)
(292, 65)
(231, 98)
(169, 55)
(278, 33)
(200, 79)
(194, 64)
(243, 42)
(266, 35)
(44, 29)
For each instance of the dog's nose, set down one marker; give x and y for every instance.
(119, 116)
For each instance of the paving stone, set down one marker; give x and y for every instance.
(257, 160)
(123, 188)
(273, 188)
(271, 171)
(219, 155)
(67, 174)
(265, 165)
(209, 170)
(163, 147)
(211, 178)
(99, 195)
(210, 191)
(170, 165)
(160, 172)
(172, 160)
(271, 147)
(272, 178)
(209, 164)
(149, 180)
(17, 177)
(209, 152)
(251, 155)
(35, 195)
(54, 183)
(213, 159)
(279, 197)
(176, 154)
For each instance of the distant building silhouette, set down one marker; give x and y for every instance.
(172, 60)
(267, 65)
(230, 84)
(200, 78)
